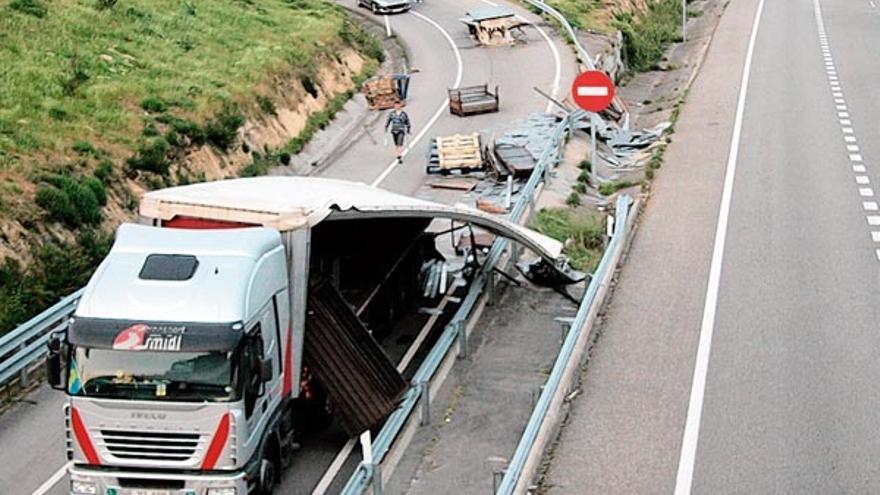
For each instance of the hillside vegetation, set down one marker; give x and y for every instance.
(102, 99)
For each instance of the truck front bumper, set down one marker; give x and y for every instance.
(97, 481)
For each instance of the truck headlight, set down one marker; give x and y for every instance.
(83, 488)
(221, 491)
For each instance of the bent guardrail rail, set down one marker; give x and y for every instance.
(529, 450)
(366, 475)
(26, 344)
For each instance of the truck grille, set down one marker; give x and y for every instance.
(149, 445)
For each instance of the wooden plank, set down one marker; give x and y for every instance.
(457, 184)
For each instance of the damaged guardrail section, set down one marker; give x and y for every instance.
(546, 415)
(26, 344)
(368, 473)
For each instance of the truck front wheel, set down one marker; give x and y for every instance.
(268, 473)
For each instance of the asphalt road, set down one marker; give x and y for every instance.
(31, 435)
(791, 386)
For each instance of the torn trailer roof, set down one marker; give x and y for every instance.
(290, 203)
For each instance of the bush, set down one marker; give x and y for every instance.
(646, 34)
(73, 202)
(29, 7)
(222, 130)
(266, 105)
(104, 171)
(586, 165)
(584, 177)
(152, 156)
(284, 158)
(580, 187)
(154, 104)
(582, 233)
(84, 148)
(105, 4)
(609, 188)
(75, 77)
(573, 199)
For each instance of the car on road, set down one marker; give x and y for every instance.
(386, 6)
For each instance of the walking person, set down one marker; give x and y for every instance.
(398, 123)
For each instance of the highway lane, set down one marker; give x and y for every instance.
(792, 392)
(37, 425)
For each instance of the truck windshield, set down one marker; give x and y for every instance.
(145, 375)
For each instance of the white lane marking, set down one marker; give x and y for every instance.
(849, 139)
(440, 110)
(335, 466)
(52, 481)
(592, 91)
(875, 236)
(847, 130)
(387, 25)
(838, 94)
(877, 252)
(843, 115)
(839, 100)
(873, 5)
(855, 157)
(685, 476)
(845, 122)
(866, 192)
(841, 107)
(873, 220)
(862, 180)
(870, 205)
(852, 147)
(860, 169)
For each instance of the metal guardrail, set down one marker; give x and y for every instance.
(527, 442)
(26, 344)
(455, 330)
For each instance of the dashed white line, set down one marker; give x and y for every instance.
(870, 206)
(875, 236)
(845, 122)
(862, 180)
(859, 169)
(866, 192)
(855, 157)
(852, 147)
(847, 130)
(873, 220)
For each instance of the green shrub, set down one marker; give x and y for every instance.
(573, 199)
(222, 130)
(105, 4)
(71, 201)
(266, 104)
(154, 104)
(74, 78)
(584, 177)
(84, 148)
(586, 165)
(580, 187)
(58, 114)
(609, 188)
(284, 158)
(152, 156)
(29, 7)
(647, 34)
(104, 171)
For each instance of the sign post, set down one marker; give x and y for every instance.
(593, 91)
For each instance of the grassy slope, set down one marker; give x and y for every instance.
(80, 73)
(74, 87)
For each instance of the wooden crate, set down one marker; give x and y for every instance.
(381, 93)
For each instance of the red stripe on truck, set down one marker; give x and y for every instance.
(217, 443)
(194, 223)
(82, 437)
(288, 365)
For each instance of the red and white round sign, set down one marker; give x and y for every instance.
(592, 90)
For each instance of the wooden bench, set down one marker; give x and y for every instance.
(472, 100)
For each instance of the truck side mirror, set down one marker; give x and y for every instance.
(54, 367)
(266, 371)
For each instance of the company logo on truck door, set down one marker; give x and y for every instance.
(141, 337)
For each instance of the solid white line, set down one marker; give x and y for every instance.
(52, 481)
(440, 110)
(387, 25)
(335, 466)
(685, 476)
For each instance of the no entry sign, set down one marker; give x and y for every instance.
(592, 90)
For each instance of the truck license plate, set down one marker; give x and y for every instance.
(148, 491)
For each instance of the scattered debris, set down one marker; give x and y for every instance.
(460, 152)
(489, 206)
(519, 149)
(457, 184)
(493, 26)
(472, 100)
(381, 92)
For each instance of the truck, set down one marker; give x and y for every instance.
(237, 316)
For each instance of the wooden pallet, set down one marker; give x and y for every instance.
(459, 151)
(381, 93)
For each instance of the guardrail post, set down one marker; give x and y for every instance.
(425, 390)
(23, 374)
(462, 340)
(490, 287)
